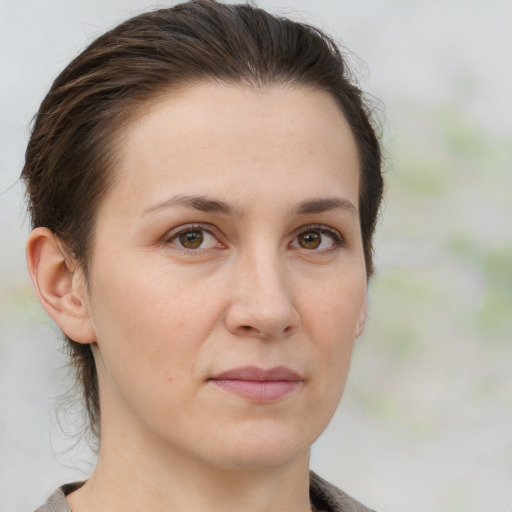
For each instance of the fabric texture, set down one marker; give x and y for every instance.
(57, 501)
(325, 497)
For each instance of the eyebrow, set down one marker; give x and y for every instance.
(324, 205)
(201, 203)
(210, 205)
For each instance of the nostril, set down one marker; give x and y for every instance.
(247, 330)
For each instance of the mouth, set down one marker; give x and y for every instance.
(257, 384)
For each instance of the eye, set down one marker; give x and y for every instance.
(193, 238)
(318, 238)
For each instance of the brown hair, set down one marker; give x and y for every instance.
(70, 158)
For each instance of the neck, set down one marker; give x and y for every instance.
(130, 475)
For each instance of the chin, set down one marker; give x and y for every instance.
(261, 448)
(262, 459)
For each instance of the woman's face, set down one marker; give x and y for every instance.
(227, 281)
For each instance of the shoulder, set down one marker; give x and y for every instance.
(57, 501)
(327, 497)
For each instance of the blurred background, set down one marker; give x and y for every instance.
(426, 421)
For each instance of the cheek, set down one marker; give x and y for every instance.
(138, 300)
(330, 318)
(150, 330)
(333, 309)
(149, 324)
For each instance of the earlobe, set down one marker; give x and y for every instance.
(59, 288)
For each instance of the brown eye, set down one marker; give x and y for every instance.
(318, 239)
(191, 239)
(194, 238)
(310, 240)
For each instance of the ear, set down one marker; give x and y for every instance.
(361, 320)
(59, 286)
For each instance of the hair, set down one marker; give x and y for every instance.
(71, 154)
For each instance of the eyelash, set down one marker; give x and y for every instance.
(333, 234)
(173, 235)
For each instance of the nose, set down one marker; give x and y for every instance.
(262, 302)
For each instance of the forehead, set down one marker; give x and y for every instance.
(223, 135)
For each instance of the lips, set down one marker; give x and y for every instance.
(257, 384)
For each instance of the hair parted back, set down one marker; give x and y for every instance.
(71, 156)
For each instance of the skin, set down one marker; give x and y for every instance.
(163, 319)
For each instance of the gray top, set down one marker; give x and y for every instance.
(324, 496)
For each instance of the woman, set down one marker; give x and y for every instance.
(203, 183)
